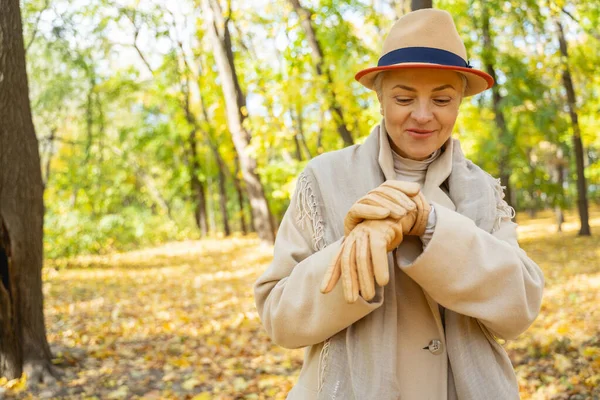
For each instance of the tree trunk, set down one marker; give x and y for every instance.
(222, 166)
(23, 343)
(196, 185)
(240, 193)
(218, 35)
(420, 4)
(222, 184)
(319, 65)
(582, 201)
(503, 134)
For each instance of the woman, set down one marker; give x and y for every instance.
(421, 321)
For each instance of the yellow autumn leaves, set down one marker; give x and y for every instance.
(179, 322)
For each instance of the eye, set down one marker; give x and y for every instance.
(442, 102)
(403, 100)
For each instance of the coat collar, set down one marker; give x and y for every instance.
(437, 173)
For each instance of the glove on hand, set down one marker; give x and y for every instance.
(394, 199)
(362, 257)
(376, 222)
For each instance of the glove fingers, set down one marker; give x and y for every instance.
(398, 237)
(365, 275)
(423, 209)
(396, 211)
(332, 276)
(396, 196)
(349, 278)
(359, 212)
(409, 188)
(379, 259)
(354, 273)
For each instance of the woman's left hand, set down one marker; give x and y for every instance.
(393, 198)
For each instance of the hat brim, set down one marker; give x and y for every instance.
(477, 81)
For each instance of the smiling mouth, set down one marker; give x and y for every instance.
(420, 131)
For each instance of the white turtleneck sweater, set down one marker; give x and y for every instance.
(414, 171)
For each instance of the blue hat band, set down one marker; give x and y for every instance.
(428, 55)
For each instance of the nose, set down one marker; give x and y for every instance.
(422, 112)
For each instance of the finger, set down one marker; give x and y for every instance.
(365, 275)
(420, 223)
(379, 259)
(396, 196)
(410, 188)
(354, 274)
(368, 211)
(359, 212)
(370, 262)
(396, 211)
(398, 237)
(347, 272)
(332, 276)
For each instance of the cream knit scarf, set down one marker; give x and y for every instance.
(360, 361)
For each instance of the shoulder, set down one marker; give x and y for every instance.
(335, 158)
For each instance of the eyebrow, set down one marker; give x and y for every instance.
(410, 89)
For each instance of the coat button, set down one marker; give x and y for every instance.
(435, 347)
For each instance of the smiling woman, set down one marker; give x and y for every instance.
(419, 108)
(419, 236)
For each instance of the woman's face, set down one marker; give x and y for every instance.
(420, 107)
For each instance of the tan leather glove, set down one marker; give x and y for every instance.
(362, 259)
(400, 198)
(363, 254)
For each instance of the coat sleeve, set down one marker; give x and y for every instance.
(290, 304)
(478, 274)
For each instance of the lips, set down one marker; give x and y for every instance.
(420, 131)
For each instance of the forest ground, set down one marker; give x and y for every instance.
(179, 321)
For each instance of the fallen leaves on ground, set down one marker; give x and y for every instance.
(179, 322)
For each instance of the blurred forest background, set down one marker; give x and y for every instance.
(168, 129)
(150, 117)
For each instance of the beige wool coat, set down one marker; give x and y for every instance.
(467, 270)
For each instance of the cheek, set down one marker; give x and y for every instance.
(448, 117)
(394, 113)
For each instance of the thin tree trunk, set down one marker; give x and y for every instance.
(196, 185)
(503, 134)
(23, 343)
(222, 170)
(222, 166)
(240, 193)
(322, 70)
(420, 4)
(223, 199)
(582, 201)
(560, 179)
(300, 130)
(218, 35)
(50, 151)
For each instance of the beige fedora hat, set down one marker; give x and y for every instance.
(426, 39)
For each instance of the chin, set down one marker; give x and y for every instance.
(420, 154)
